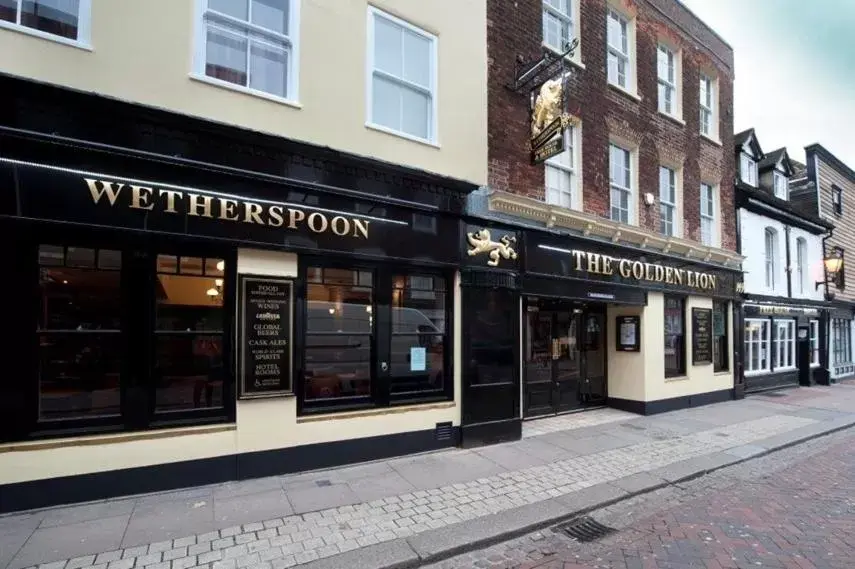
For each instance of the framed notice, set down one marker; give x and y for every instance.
(628, 333)
(702, 336)
(265, 318)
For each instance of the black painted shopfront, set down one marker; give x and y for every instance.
(123, 230)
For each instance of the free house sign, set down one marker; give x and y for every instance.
(266, 305)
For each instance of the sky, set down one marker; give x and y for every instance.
(795, 70)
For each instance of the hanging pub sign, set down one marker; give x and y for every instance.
(265, 307)
(702, 338)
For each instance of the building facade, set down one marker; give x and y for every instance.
(624, 291)
(785, 313)
(832, 187)
(234, 250)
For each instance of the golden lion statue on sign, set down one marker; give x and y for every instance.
(481, 242)
(547, 106)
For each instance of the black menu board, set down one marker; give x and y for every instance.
(702, 336)
(266, 308)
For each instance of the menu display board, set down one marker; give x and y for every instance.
(628, 333)
(702, 337)
(266, 309)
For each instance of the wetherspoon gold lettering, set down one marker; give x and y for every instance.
(227, 209)
(598, 264)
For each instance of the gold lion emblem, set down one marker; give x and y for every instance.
(480, 242)
(547, 106)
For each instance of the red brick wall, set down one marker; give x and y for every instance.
(515, 28)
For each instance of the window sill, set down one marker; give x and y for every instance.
(723, 373)
(375, 412)
(85, 46)
(708, 138)
(676, 378)
(115, 438)
(758, 372)
(403, 135)
(245, 90)
(625, 92)
(577, 62)
(673, 118)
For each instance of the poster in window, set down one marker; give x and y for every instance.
(265, 307)
(702, 340)
(628, 333)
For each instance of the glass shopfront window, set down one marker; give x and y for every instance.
(720, 341)
(814, 342)
(756, 345)
(79, 332)
(129, 338)
(675, 336)
(374, 337)
(785, 343)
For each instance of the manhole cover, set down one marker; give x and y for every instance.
(773, 394)
(586, 529)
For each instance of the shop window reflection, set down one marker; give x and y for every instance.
(339, 334)
(189, 363)
(491, 336)
(418, 334)
(675, 344)
(79, 333)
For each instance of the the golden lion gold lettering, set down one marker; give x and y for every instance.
(481, 242)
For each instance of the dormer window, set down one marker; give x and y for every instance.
(748, 169)
(780, 183)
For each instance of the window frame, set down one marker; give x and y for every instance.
(84, 25)
(381, 396)
(670, 205)
(724, 307)
(763, 342)
(571, 138)
(788, 324)
(814, 343)
(801, 263)
(770, 241)
(626, 57)
(681, 346)
(433, 92)
(200, 59)
(138, 393)
(780, 177)
(748, 169)
(670, 86)
(841, 341)
(837, 200)
(629, 191)
(567, 19)
(708, 107)
(709, 217)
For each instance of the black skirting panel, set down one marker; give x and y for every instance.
(771, 381)
(672, 404)
(493, 432)
(162, 477)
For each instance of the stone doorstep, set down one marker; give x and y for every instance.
(437, 545)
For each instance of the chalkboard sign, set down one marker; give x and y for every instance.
(702, 336)
(266, 307)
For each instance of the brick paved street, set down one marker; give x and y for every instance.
(794, 509)
(419, 508)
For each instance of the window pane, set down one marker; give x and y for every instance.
(167, 264)
(418, 305)
(191, 266)
(386, 103)
(79, 375)
(80, 257)
(79, 299)
(337, 366)
(418, 363)
(108, 259)
(234, 8)
(187, 303)
(51, 255)
(226, 55)
(58, 17)
(269, 69)
(388, 39)
(339, 305)
(215, 267)
(720, 343)
(271, 14)
(416, 107)
(9, 10)
(489, 336)
(189, 372)
(417, 59)
(674, 337)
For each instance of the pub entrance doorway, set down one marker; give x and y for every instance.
(564, 356)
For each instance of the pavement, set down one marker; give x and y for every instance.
(422, 509)
(794, 508)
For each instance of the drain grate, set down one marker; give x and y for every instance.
(586, 529)
(323, 483)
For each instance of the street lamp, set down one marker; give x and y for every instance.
(833, 265)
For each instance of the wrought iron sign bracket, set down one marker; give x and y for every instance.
(530, 73)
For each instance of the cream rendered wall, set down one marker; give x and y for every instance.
(142, 51)
(640, 376)
(262, 424)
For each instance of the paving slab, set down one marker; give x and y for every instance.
(315, 497)
(71, 540)
(639, 482)
(387, 555)
(237, 510)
